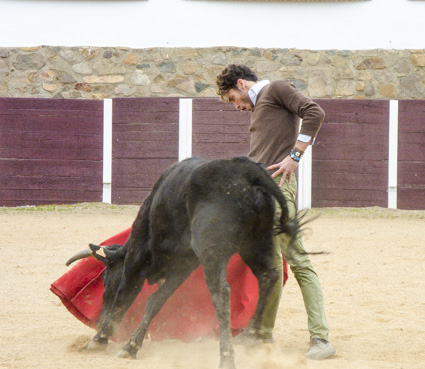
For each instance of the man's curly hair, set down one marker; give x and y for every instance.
(228, 78)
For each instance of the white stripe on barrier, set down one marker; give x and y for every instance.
(393, 154)
(185, 129)
(107, 151)
(304, 179)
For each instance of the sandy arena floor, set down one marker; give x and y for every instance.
(373, 281)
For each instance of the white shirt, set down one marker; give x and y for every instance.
(253, 93)
(254, 90)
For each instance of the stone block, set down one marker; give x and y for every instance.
(319, 85)
(30, 48)
(412, 87)
(190, 68)
(200, 86)
(157, 89)
(387, 90)
(82, 68)
(32, 77)
(4, 66)
(402, 66)
(17, 80)
(418, 60)
(68, 55)
(29, 61)
(83, 87)
(89, 52)
(270, 55)
(125, 90)
(208, 92)
(131, 59)
(372, 63)
(108, 66)
(339, 61)
(313, 58)
(4, 53)
(50, 87)
(184, 84)
(345, 88)
(47, 75)
(167, 66)
(219, 59)
(364, 75)
(140, 79)
(265, 66)
(100, 96)
(369, 90)
(292, 60)
(360, 86)
(103, 79)
(186, 52)
(65, 77)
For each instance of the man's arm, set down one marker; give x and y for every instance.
(312, 116)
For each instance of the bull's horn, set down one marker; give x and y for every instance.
(80, 255)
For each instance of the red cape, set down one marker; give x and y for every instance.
(188, 313)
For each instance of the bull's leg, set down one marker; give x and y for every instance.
(263, 268)
(130, 286)
(215, 276)
(153, 306)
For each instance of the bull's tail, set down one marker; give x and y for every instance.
(261, 178)
(284, 224)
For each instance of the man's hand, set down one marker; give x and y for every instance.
(286, 167)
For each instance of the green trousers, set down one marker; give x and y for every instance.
(303, 271)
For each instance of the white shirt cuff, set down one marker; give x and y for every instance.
(305, 138)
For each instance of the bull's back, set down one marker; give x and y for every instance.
(170, 190)
(230, 183)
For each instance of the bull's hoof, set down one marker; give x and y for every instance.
(127, 354)
(227, 363)
(97, 345)
(251, 337)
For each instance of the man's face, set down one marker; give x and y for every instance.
(240, 99)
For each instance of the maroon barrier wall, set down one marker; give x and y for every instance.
(411, 155)
(144, 144)
(350, 154)
(218, 130)
(50, 151)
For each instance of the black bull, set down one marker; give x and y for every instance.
(199, 212)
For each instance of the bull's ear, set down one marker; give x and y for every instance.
(98, 252)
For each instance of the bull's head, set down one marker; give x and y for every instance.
(108, 255)
(113, 258)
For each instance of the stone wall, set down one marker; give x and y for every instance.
(97, 72)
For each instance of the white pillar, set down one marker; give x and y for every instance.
(393, 154)
(107, 151)
(304, 179)
(185, 129)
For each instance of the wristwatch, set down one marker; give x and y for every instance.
(296, 154)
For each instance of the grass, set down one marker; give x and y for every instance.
(368, 212)
(64, 207)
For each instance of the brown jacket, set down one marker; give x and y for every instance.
(275, 121)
